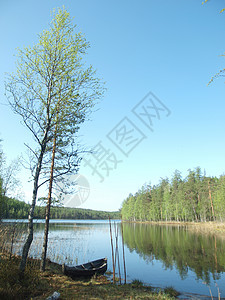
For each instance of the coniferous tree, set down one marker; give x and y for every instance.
(197, 198)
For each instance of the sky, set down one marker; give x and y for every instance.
(158, 114)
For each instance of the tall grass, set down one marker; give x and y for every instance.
(12, 237)
(12, 284)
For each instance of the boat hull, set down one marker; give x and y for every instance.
(86, 270)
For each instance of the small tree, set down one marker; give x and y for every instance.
(52, 90)
(11, 183)
(1, 198)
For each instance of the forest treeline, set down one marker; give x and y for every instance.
(197, 198)
(15, 209)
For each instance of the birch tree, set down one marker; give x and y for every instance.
(52, 86)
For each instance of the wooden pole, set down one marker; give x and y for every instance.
(116, 245)
(118, 257)
(112, 250)
(124, 265)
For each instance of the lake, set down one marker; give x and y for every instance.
(159, 256)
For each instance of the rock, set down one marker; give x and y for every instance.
(54, 296)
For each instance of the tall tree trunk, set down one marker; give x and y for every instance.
(48, 207)
(29, 239)
(210, 197)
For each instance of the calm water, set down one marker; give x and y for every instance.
(158, 255)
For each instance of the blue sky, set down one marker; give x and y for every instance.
(170, 48)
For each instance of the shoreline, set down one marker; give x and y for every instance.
(210, 227)
(39, 285)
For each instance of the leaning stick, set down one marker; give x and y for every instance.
(124, 265)
(118, 258)
(112, 250)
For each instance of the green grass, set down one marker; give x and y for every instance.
(171, 291)
(12, 286)
(137, 283)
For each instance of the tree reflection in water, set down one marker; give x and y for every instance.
(177, 247)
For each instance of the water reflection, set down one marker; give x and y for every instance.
(178, 247)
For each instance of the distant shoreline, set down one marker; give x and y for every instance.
(203, 227)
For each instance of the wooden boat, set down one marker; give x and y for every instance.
(86, 270)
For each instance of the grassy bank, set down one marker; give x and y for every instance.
(37, 285)
(208, 227)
